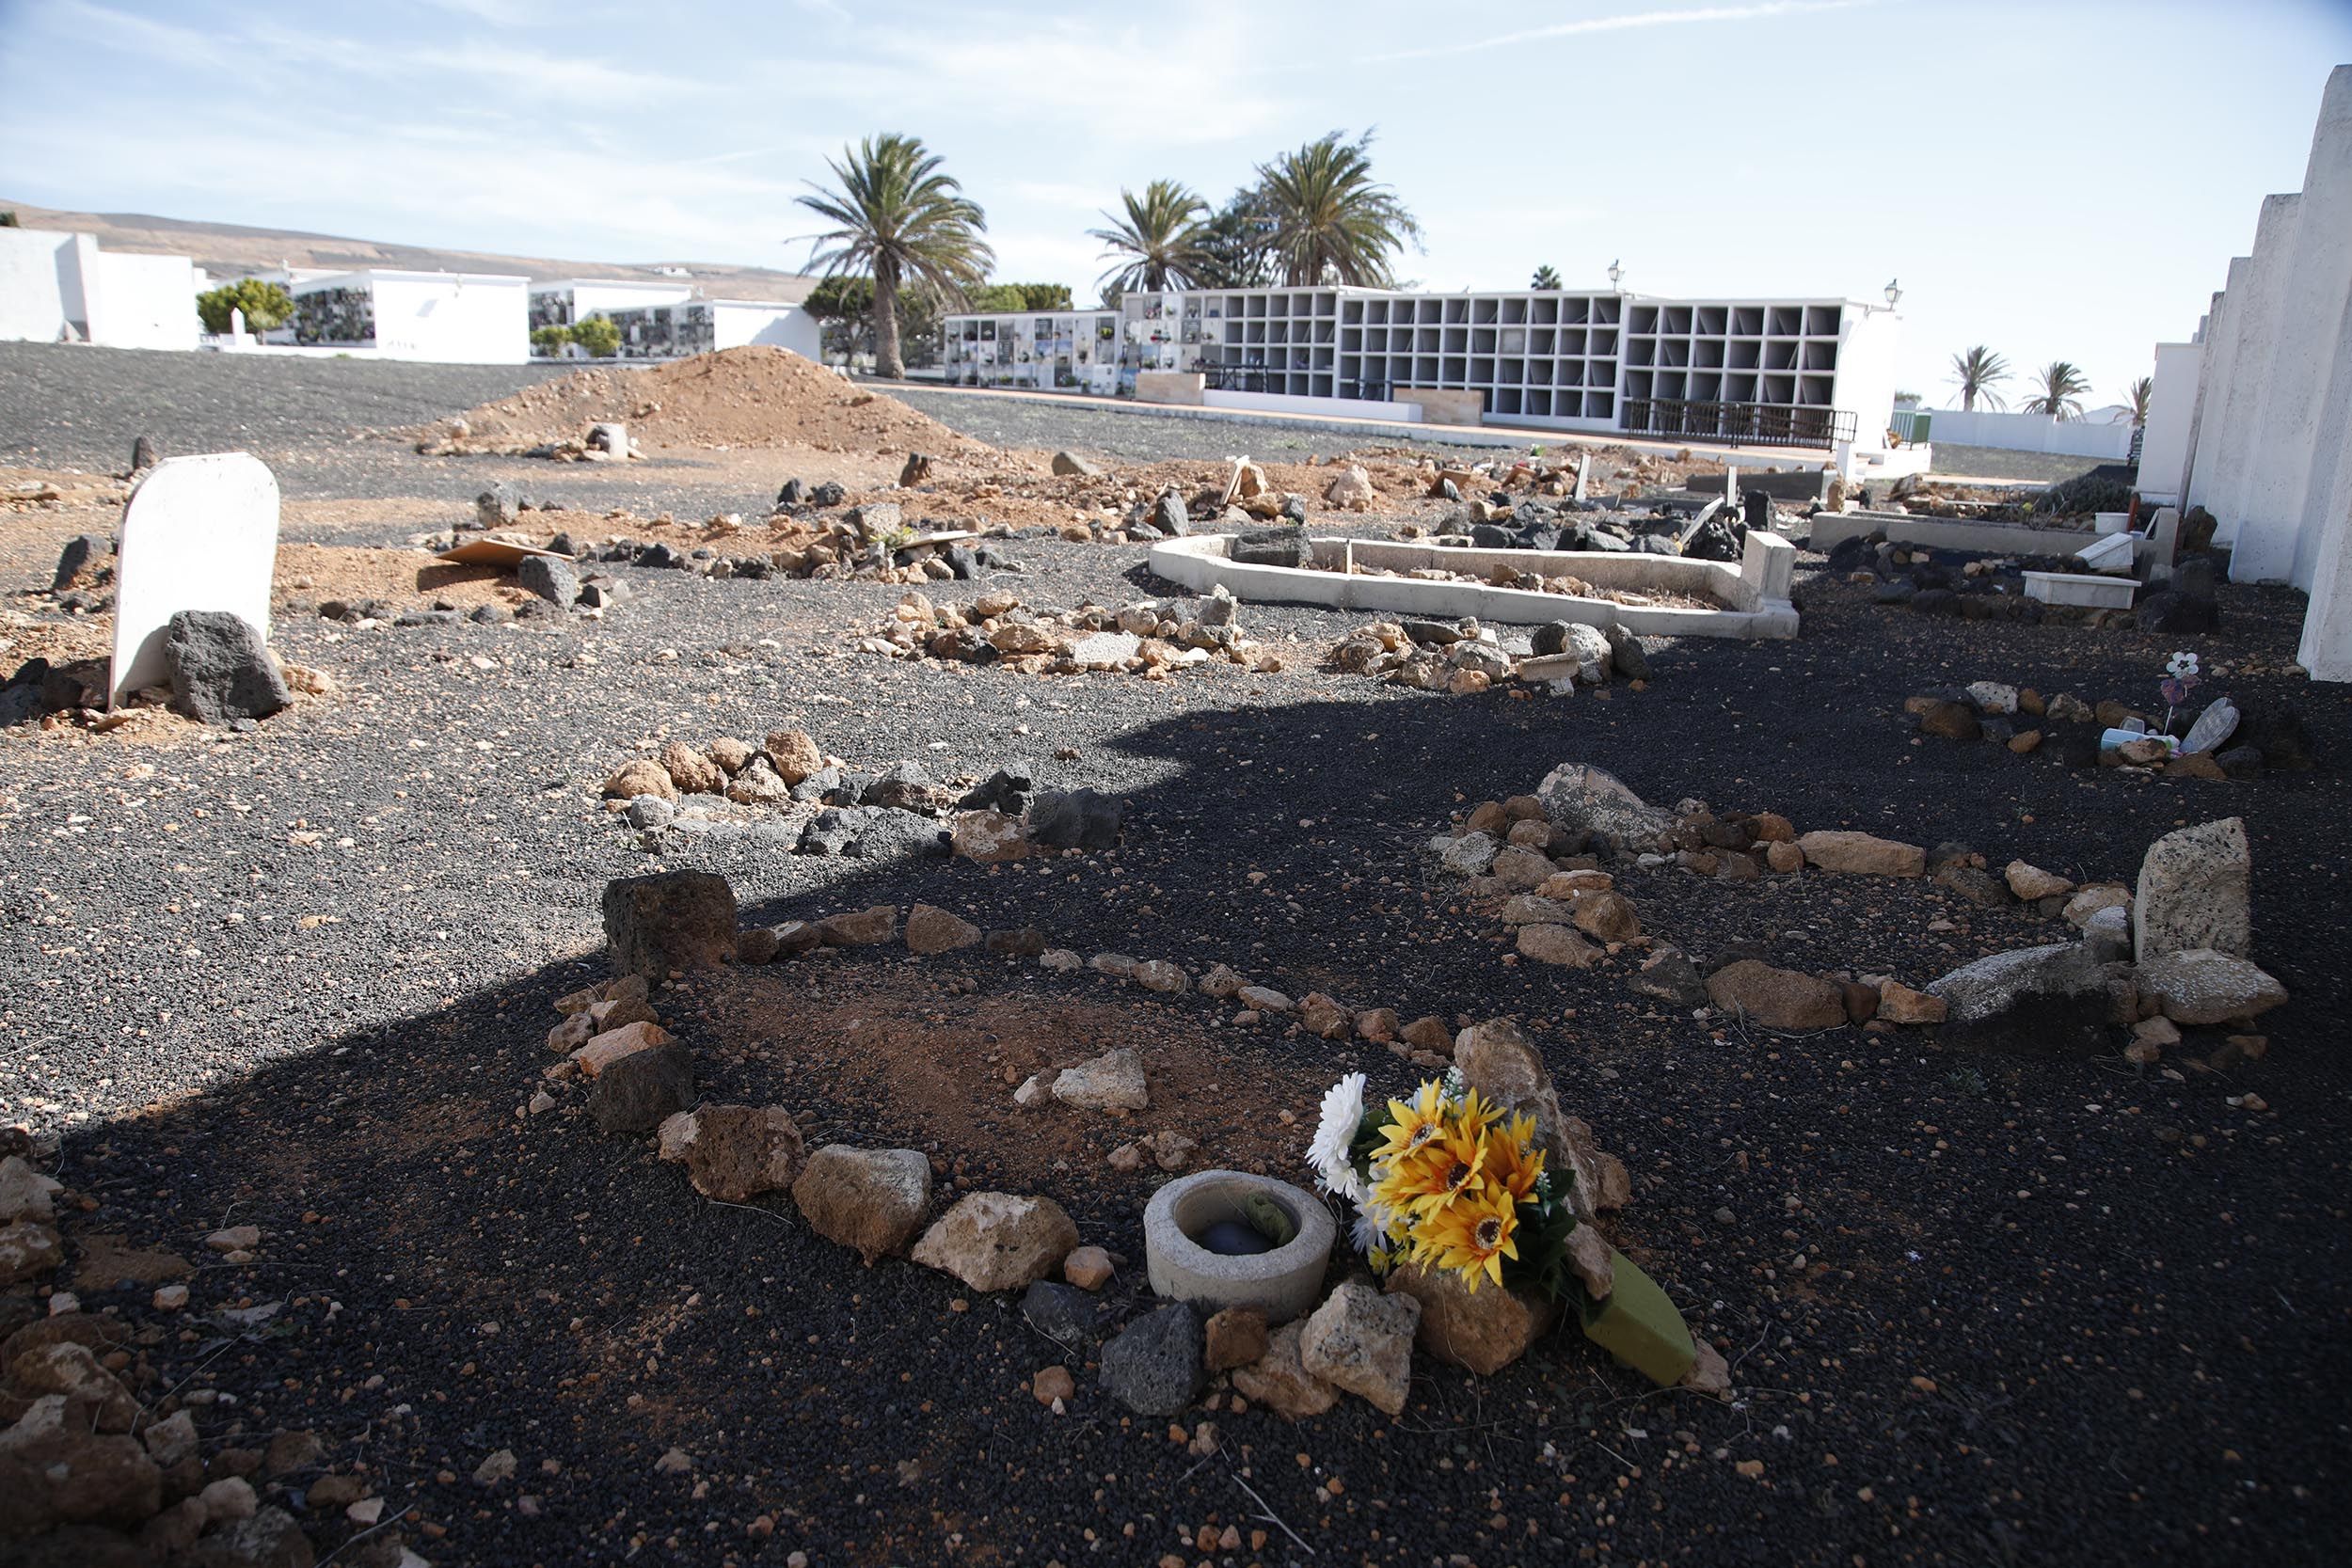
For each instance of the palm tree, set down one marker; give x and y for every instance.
(1158, 242)
(903, 223)
(2143, 392)
(1332, 222)
(2059, 390)
(1544, 277)
(1977, 371)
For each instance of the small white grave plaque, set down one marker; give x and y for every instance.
(200, 533)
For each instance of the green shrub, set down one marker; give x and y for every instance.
(597, 336)
(265, 305)
(2081, 494)
(553, 339)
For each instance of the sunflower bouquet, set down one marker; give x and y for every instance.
(1446, 1181)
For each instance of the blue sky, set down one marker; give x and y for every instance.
(2058, 178)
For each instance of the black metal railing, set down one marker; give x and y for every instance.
(1236, 378)
(1738, 424)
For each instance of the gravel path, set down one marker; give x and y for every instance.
(1129, 433)
(65, 406)
(2000, 462)
(2044, 1299)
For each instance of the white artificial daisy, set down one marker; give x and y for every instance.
(2181, 663)
(1372, 1227)
(1342, 1112)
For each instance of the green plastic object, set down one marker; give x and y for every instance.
(1639, 1327)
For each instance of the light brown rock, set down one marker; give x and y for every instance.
(1483, 1330)
(2195, 891)
(870, 1200)
(1863, 854)
(1087, 1267)
(1234, 1338)
(990, 836)
(998, 1241)
(1522, 869)
(740, 1151)
(2028, 881)
(603, 1050)
(1607, 916)
(931, 930)
(1361, 1340)
(1279, 1379)
(2199, 984)
(865, 927)
(794, 756)
(1112, 1082)
(1557, 945)
(1899, 1004)
(1325, 1018)
(1776, 998)
(1430, 1033)
(639, 776)
(692, 772)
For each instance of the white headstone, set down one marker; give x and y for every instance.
(200, 533)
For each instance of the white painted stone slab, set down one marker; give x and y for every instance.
(200, 533)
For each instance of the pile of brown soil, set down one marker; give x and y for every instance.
(737, 397)
(894, 1057)
(407, 580)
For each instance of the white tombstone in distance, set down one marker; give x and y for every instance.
(199, 533)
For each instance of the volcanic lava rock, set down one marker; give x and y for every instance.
(221, 670)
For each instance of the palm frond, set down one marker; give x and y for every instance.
(1333, 223)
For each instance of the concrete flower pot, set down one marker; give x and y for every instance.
(1285, 1282)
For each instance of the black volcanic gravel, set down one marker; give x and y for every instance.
(2051, 1308)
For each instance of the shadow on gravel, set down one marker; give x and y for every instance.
(456, 1279)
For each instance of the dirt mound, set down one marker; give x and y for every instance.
(737, 397)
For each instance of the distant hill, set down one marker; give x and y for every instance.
(231, 250)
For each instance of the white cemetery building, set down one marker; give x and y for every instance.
(561, 302)
(451, 317)
(2249, 418)
(1804, 372)
(701, 326)
(59, 287)
(1037, 349)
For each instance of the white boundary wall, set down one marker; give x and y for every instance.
(142, 301)
(454, 318)
(2106, 443)
(52, 280)
(735, 322)
(38, 267)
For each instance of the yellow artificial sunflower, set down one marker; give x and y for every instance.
(1472, 1237)
(1412, 1126)
(1474, 1115)
(1446, 1168)
(1513, 1161)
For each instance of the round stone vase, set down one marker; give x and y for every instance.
(1284, 1282)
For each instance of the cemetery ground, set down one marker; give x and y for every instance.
(1979, 1306)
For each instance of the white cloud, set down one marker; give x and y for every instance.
(90, 27)
(1047, 193)
(1624, 22)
